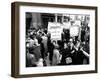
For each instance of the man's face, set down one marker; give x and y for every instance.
(71, 41)
(65, 45)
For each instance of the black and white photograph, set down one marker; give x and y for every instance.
(52, 39)
(57, 39)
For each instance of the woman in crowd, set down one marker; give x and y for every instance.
(86, 51)
(56, 54)
(34, 46)
(30, 58)
(44, 41)
(78, 54)
(66, 56)
(50, 49)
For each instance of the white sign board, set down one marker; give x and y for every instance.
(66, 25)
(55, 29)
(74, 31)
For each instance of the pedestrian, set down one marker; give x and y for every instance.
(56, 55)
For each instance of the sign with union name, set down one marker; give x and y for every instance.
(55, 29)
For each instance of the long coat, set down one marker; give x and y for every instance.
(56, 57)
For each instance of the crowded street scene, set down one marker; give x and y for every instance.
(57, 39)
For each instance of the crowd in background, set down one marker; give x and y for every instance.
(41, 50)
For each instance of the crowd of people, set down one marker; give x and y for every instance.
(41, 50)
